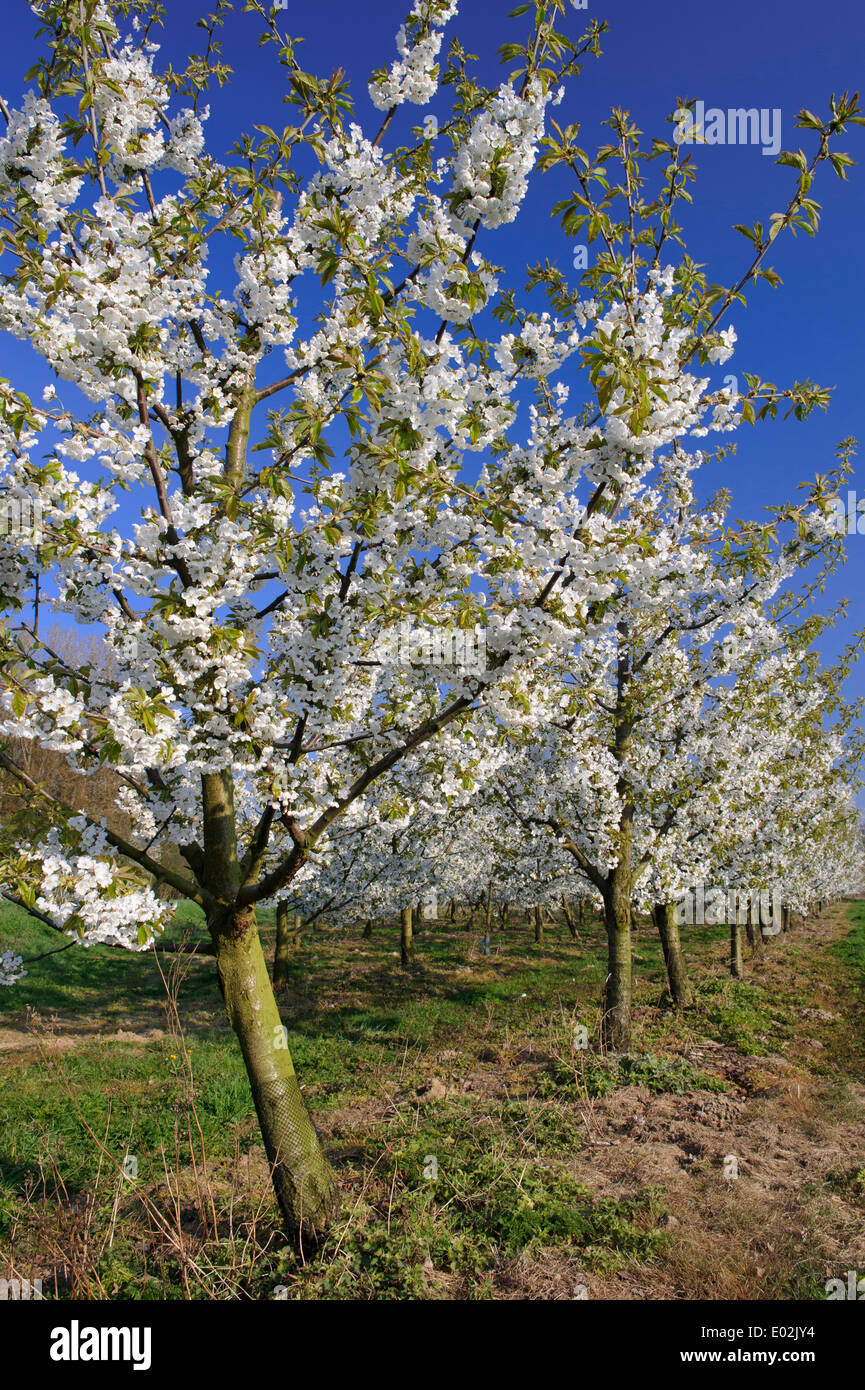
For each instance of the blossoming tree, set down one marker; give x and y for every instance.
(245, 585)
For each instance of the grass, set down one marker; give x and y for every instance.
(851, 948)
(464, 1198)
(452, 1100)
(597, 1076)
(100, 977)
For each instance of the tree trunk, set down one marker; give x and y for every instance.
(617, 995)
(302, 1177)
(581, 913)
(539, 925)
(569, 918)
(367, 929)
(677, 975)
(735, 948)
(487, 921)
(617, 888)
(405, 938)
(287, 939)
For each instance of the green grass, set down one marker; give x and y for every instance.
(743, 1014)
(464, 1198)
(851, 948)
(78, 979)
(597, 1076)
(364, 1035)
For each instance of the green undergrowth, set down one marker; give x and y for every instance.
(596, 1076)
(469, 1193)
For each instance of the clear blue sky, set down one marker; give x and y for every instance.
(763, 53)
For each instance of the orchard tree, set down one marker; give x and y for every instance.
(637, 742)
(246, 583)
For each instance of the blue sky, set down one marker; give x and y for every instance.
(782, 54)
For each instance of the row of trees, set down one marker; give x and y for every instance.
(518, 462)
(732, 801)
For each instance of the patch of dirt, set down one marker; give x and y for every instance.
(63, 1036)
(751, 1178)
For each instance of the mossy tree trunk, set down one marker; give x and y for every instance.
(677, 975)
(619, 986)
(735, 948)
(303, 1180)
(287, 942)
(618, 885)
(488, 921)
(755, 931)
(539, 925)
(406, 938)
